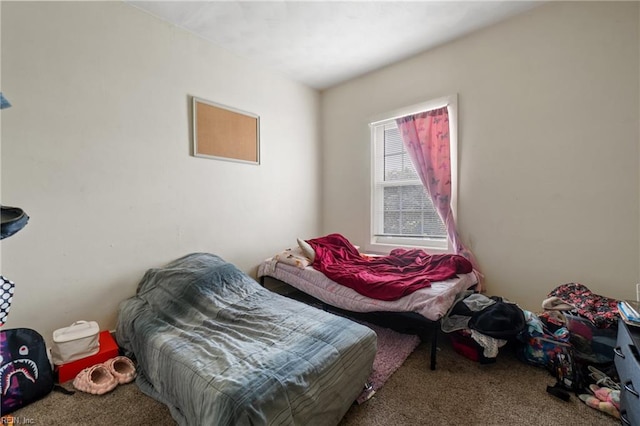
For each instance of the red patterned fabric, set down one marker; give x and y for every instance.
(390, 277)
(600, 310)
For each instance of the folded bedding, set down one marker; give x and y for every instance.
(390, 277)
(219, 349)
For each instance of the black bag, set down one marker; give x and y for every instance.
(25, 370)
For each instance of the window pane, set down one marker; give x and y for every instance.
(408, 210)
(392, 142)
(393, 165)
(412, 197)
(397, 163)
(392, 198)
(411, 223)
(392, 223)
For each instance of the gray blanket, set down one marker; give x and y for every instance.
(219, 349)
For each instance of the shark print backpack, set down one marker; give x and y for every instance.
(25, 370)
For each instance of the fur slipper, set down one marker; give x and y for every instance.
(603, 406)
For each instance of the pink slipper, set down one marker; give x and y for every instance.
(594, 402)
(96, 380)
(122, 369)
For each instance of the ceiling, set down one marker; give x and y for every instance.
(324, 43)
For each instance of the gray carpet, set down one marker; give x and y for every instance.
(459, 392)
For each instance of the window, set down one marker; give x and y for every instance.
(401, 210)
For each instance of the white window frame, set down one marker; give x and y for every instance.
(377, 125)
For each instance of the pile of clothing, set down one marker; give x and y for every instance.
(490, 321)
(587, 324)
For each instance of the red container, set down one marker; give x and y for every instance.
(469, 348)
(108, 350)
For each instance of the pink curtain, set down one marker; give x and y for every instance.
(426, 138)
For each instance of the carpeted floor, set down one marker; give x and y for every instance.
(463, 392)
(393, 350)
(459, 392)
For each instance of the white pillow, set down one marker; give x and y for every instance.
(307, 249)
(293, 257)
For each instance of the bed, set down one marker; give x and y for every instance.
(420, 311)
(217, 348)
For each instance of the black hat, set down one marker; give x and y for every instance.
(13, 220)
(501, 320)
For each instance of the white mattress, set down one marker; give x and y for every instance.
(430, 302)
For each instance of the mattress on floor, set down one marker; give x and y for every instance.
(219, 349)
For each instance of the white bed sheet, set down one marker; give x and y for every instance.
(430, 302)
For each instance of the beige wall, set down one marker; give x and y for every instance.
(548, 146)
(96, 149)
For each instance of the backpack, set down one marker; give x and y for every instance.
(546, 343)
(566, 371)
(25, 370)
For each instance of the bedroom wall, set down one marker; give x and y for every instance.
(96, 149)
(548, 146)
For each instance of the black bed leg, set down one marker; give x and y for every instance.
(434, 344)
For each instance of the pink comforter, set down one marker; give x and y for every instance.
(390, 277)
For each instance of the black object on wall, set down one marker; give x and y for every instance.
(13, 220)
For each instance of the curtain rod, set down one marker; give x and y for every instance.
(442, 102)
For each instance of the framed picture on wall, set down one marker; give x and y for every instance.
(225, 133)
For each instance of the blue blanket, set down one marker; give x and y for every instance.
(219, 349)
